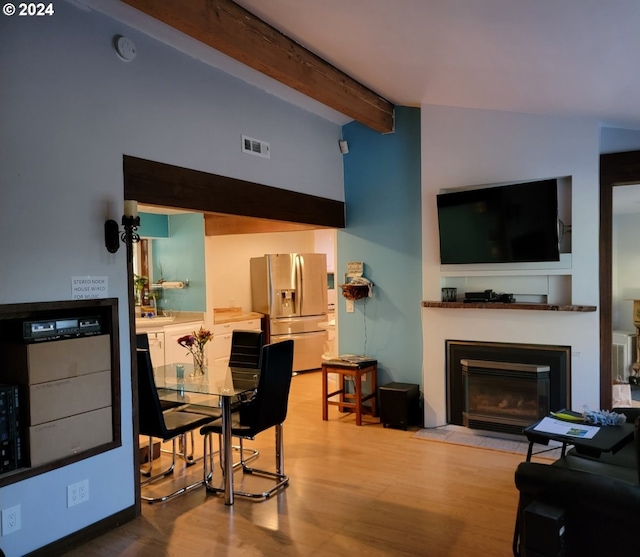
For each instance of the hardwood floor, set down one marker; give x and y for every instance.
(353, 490)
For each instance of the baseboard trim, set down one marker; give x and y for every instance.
(80, 537)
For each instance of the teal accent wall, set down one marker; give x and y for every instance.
(153, 226)
(384, 229)
(181, 258)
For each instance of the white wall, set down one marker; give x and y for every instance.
(325, 242)
(228, 273)
(463, 147)
(70, 110)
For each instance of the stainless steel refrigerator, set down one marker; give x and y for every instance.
(291, 288)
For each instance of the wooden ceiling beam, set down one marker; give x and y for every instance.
(165, 185)
(216, 224)
(232, 30)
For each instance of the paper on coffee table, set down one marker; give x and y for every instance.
(559, 427)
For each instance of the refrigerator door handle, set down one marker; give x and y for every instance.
(271, 294)
(299, 267)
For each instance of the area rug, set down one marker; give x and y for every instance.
(457, 436)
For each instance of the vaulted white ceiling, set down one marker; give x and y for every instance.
(566, 58)
(556, 57)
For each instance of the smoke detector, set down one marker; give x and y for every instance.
(124, 47)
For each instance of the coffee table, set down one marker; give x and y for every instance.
(609, 439)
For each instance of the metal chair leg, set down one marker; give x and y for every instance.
(169, 470)
(147, 473)
(175, 493)
(183, 450)
(279, 450)
(209, 458)
(281, 479)
(241, 448)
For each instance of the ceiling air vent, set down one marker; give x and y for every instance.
(255, 147)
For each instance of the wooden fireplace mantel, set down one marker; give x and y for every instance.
(515, 305)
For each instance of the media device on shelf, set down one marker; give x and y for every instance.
(488, 296)
(501, 224)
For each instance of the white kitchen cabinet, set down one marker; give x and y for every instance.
(221, 346)
(173, 352)
(222, 334)
(165, 350)
(156, 347)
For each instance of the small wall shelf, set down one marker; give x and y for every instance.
(561, 267)
(515, 305)
(536, 284)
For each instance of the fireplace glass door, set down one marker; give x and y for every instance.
(504, 396)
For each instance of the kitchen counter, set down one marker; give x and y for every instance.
(146, 323)
(233, 314)
(220, 316)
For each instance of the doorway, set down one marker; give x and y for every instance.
(230, 199)
(616, 169)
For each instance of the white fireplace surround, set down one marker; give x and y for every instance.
(520, 327)
(464, 147)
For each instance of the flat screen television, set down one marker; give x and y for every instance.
(502, 224)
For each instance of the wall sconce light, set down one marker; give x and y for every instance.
(130, 221)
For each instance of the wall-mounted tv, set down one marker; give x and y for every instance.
(502, 224)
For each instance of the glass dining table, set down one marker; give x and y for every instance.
(216, 387)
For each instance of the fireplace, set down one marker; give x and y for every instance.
(504, 396)
(505, 387)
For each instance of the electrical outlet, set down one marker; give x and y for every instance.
(11, 520)
(77, 493)
(350, 306)
(73, 498)
(83, 491)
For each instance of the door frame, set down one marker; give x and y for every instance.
(616, 169)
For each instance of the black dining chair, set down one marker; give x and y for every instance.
(168, 426)
(142, 342)
(244, 359)
(246, 349)
(267, 409)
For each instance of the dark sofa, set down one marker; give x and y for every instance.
(599, 498)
